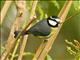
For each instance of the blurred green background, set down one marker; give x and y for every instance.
(70, 29)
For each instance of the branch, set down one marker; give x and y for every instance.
(5, 9)
(25, 37)
(11, 40)
(21, 6)
(63, 13)
(76, 13)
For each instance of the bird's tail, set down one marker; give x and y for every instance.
(17, 32)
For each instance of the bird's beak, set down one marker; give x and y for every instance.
(61, 22)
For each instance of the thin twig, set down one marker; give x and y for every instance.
(76, 13)
(21, 7)
(63, 13)
(40, 49)
(32, 15)
(34, 4)
(22, 47)
(25, 54)
(5, 9)
(11, 40)
(15, 49)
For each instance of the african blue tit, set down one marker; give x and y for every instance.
(43, 27)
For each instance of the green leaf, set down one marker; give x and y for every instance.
(55, 3)
(76, 5)
(1, 4)
(49, 57)
(77, 57)
(41, 12)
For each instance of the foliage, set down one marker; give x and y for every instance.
(74, 49)
(45, 8)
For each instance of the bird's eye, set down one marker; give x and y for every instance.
(55, 18)
(52, 18)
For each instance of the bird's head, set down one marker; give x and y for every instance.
(53, 21)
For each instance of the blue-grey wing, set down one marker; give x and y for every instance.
(40, 29)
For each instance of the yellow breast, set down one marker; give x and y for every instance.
(52, 32)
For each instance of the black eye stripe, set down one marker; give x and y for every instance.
(52, 17)
(54, 20)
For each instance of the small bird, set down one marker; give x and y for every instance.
(43, 27)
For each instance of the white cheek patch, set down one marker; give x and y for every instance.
(53, 23)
